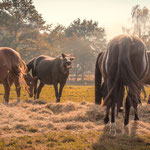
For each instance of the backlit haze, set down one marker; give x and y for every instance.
(110, 14)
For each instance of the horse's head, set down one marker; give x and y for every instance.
(30, 82)
(67, 61)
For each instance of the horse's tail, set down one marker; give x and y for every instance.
(128, 77)
(30, 64)
(23, 71)
(20, 69)
(125, 75)
(98, 80)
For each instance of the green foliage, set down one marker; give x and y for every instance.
(90, 31)
(84, 39)
(21, 25)
(23, 29)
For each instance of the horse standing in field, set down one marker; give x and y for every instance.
(13, 70)
(102, 90)
(50, 71)
(123, 65)
(146, 79)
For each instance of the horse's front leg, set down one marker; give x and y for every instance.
(61, 89)
(35, 88)
(18, 89)
(7, 91)
(56, 92)
(39, 89)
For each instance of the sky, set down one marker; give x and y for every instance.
(110, 14)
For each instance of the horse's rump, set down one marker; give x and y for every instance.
(11, 64)
(126, 64)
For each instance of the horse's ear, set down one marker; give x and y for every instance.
(63, 55)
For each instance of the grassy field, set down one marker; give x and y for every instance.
(70, 93)
(74, 93)
(72, 138)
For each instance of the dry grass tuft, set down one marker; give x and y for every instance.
(59, 108)
(73, 126)
(28, 118)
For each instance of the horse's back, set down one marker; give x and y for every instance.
(44, 62)
(126, 63)
(8, 59)
(45, 68)
(8, 52)
(132, 49)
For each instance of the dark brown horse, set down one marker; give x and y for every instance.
(123, 65)
(13, 70)
(146, 79)
(51, 71)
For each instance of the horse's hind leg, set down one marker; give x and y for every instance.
(56, 92)
(39, 89)
(18, 89)
(136, 114)
(106, 119)
(35, 88)
(127, 110)
(113, 113)
(7, 91)
(60, 90)
(112, 124)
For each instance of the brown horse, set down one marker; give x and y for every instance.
(101, 84)
(51, 71)
(123, 65)
(13, 70)
(146, 78)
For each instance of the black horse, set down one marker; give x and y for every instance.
(101, 84)
(50, 71)
(123, 65)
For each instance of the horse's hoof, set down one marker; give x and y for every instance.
(126, 129)
(18, 100)
(4, 102)
(106, 120)
(126, 122)
(57, 100)
(136, 119)
(112, 129)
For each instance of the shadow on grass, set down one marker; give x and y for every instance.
(128, 139)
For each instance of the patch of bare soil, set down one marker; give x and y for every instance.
(35, 117)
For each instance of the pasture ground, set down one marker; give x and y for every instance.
(74, 124)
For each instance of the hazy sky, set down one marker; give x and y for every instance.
(110, 14)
